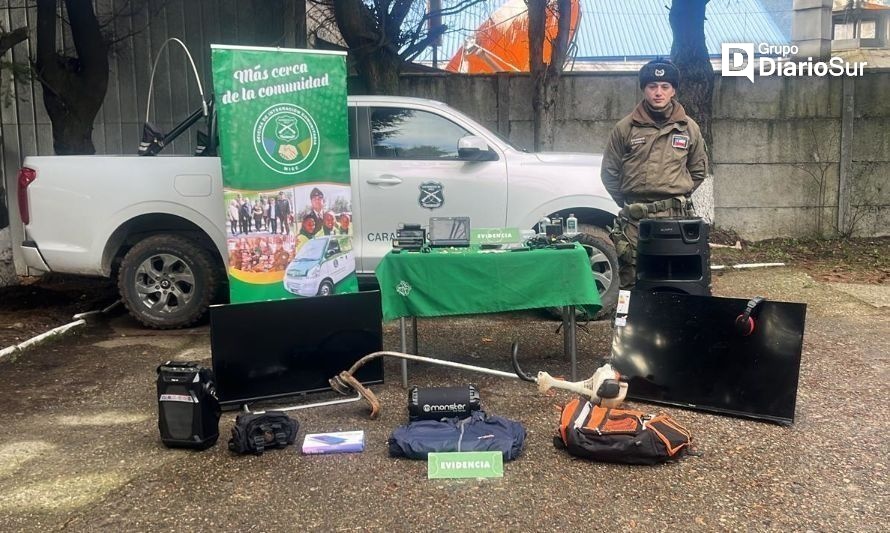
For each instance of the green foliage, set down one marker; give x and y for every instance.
(341, 205)
(10, 72)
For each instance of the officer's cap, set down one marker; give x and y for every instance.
(660, 69)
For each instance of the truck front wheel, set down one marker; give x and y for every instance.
(167, 281)
(603, 266)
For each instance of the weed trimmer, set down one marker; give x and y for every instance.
(602, 388)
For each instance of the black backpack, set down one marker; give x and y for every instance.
(254, 433)
(620, 435)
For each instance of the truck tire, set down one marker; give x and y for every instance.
(604, 267)
(167, 281)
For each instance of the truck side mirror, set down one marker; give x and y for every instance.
(474, 148)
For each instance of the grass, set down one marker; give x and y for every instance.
(841, 260)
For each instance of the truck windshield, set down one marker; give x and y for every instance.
(493, 132)
(312, 250)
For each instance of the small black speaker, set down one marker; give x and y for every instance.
(435, 403)
(188, 410)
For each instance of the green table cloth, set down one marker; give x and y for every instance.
(462, 281)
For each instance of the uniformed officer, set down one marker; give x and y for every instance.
(654, 159)
(316, 198)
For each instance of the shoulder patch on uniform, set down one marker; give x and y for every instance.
(680, 141)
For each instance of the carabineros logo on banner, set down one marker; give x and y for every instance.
(285, 157)
(286, 138)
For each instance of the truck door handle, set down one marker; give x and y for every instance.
(385, 179)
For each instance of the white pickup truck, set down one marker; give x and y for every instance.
(159, 223)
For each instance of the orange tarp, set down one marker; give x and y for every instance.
(501, 42)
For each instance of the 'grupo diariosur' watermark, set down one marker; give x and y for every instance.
(737, 59)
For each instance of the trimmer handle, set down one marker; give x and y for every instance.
(515, 358)
(610, 388)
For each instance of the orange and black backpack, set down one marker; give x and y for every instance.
(620, 435)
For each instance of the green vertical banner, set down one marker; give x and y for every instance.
(284, 147)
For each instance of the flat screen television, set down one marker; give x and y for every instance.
(685, 350)
(281, 348)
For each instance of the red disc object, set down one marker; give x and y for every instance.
(745, 327)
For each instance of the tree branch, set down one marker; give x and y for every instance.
(397, 14)
(130, 10)
(458, 7)
(536, 26)
(418, 47)
(8, 40)
(560, 45)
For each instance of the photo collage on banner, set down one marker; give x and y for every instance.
(285, 168)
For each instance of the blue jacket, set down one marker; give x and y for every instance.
(476, 433)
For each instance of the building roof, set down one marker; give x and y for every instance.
(640, 28)
(627, 29)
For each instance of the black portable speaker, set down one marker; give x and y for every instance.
(434, 403)
(188, 410)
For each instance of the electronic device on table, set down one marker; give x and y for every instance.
(449, 231)
(409, 237)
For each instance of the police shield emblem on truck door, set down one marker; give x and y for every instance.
(432, 195)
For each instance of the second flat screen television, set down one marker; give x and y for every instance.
(282, 348)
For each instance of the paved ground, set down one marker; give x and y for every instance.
(80, 448)
(874, 295)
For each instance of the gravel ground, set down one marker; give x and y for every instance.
(81, 450)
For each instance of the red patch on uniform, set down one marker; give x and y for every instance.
(680, 141)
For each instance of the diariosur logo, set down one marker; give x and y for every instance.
(738, 60)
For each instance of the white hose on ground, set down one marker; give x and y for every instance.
(40, 338)
(747, 265)
(97, 312)
(79, 320)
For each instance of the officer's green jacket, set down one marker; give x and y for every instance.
(643, 162)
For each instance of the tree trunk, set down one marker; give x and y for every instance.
(300, 37)
(72, 131)
(7, 41)
(381, 74)
(375, 58)
(690, 53)
(545, 77)
(73, 87)
(537, 18)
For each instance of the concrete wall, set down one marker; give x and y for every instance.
(776, 153)
(775, 143)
